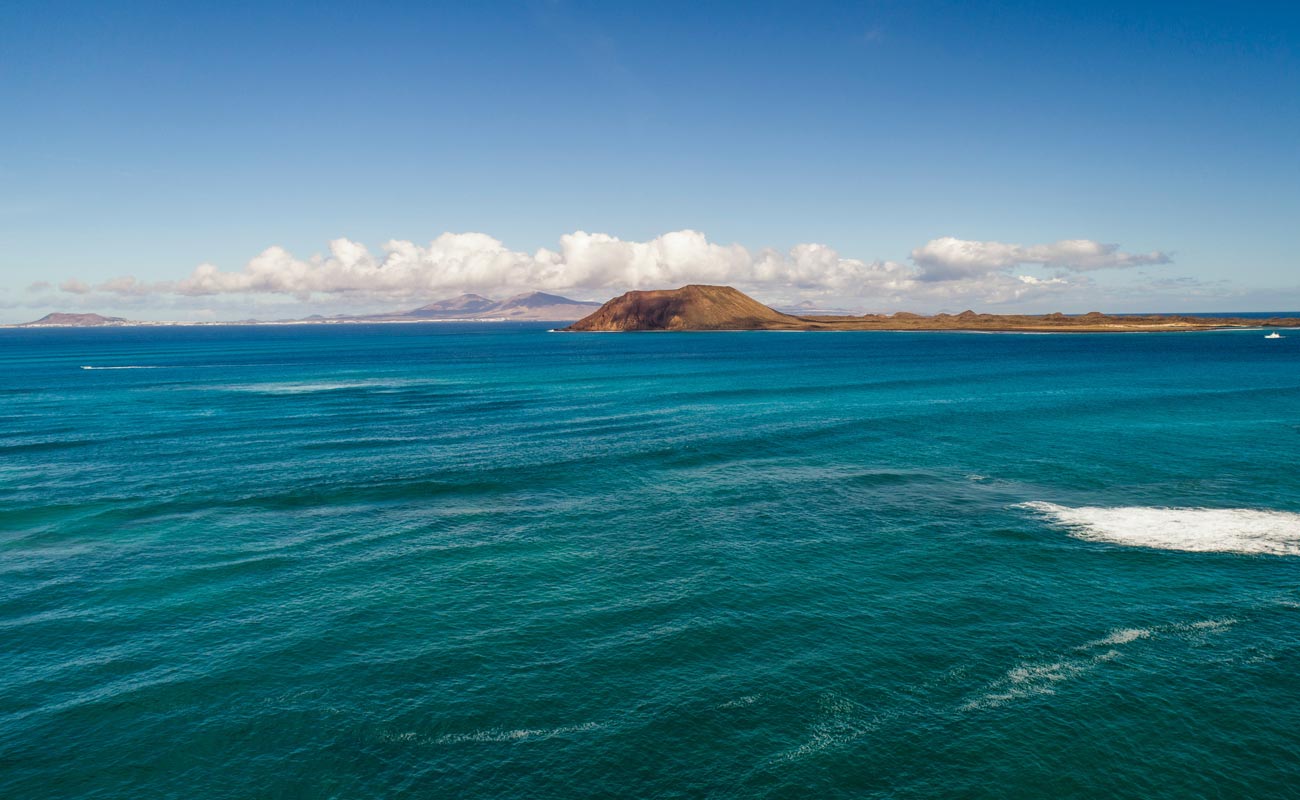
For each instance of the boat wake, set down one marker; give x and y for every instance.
(1202, 530)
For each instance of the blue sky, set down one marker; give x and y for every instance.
(145, 139)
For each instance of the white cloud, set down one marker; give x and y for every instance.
(948, 258)
(126, 285)
(456, 262)
(944, 271)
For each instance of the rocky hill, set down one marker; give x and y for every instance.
(65, 320)
(690, 308)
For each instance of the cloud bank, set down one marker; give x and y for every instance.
(940, 270)
(948, 258)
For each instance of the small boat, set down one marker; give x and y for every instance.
(1275, 335)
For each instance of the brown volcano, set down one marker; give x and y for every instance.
(690, 308)
(64, 319)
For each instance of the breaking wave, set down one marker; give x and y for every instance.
(1204, 530)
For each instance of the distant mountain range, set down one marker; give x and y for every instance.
(538, 306)
(530, 306)
(810, 309)
(465, 304)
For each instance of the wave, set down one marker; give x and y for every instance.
(1201, 530)
(128, 366)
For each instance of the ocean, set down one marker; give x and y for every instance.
(489, 561)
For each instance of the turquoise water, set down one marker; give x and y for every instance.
(460, 561)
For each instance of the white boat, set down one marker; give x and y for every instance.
(1275, 335)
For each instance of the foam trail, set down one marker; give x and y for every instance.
(131, 366)
(521, 734)
(1203, 530)
(302, 387)
(1121, 636)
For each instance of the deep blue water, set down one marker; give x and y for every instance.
(487, 561)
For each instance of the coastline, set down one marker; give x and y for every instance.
(860, 325)
(987, 331)
(263, 323)
(803, 325)
(699, 307)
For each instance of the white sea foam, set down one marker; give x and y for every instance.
(302, 387)
(1045, 675)
(517, 735)
(1121, 636)
(840, 721)
(1221, 530)
(1202, 629)
(128, 366)
(741, 702)
(1030, 679)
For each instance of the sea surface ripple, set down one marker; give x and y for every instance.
(488, 561)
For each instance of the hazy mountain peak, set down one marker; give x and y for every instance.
(471, 303)
(540, 300)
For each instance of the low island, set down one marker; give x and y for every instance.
(723, 308)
